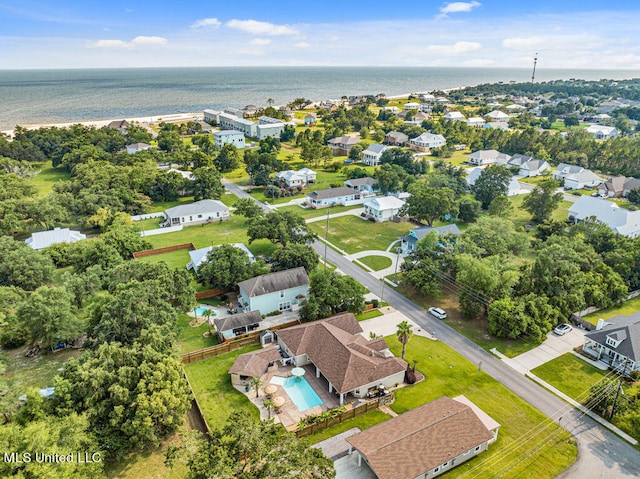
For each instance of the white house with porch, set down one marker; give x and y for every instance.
(371, 156)
(426, 141)
(616, 342)
(383, 208)
(302, 177)
(203, 211)
(336, 350)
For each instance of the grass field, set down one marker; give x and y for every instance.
(47, 177)
(354, 234)
(474, 329)
(628, 307)
(364, 421)
(522, 217)
(571, 375)
(211, 384)
(376, 263)
(515, 452)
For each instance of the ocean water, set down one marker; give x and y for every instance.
(52, 96)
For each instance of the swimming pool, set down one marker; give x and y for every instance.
(299, 390)
(201, 310)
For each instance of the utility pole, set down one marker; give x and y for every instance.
(533, 75)
(326, 238)
(613, 407)
(395, 273)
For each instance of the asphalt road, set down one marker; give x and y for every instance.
(601, 454)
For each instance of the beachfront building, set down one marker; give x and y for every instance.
(120, 125)
(279, 291)
(427, 441)
(203, 211)
(426, 141)
(229, 137)
(233, 119)
(310, 119)
(44, 239)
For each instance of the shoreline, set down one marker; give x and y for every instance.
(147, 121)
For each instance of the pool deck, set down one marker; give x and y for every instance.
(289, 415)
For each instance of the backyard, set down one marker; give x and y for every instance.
(628, 307)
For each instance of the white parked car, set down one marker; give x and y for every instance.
(562, 329)
(438, 313)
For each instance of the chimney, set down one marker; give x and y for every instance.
(600, 325)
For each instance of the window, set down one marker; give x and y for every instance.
(199, 216)
(437, 469)
(477, 448)
(284, 306)
(282, 294)
(445, 464)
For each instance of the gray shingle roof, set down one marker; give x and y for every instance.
(331, 193)
(375, 148)
(367, 180)
(197, 208)
(624, 328)
(272, 282)
(238, 320)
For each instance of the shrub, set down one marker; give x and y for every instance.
(375, 303)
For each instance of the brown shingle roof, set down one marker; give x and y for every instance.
(344, 357)
(415, 442)
(272, 282)
(255, 363)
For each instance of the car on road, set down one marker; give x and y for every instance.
(562, 329)
(438, 313)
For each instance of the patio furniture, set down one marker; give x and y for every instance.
(278, 402)
(270, 390)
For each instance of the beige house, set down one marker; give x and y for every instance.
(427, 441)
(253, 365)
(351, 363)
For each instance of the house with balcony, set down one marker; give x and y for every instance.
(341, 145)
(476, 121)
(454, 116)
(302, 177)
(279, 291)
(396, 138)
(427, 141)
(366, 185)
(228, 137)
(371, 156)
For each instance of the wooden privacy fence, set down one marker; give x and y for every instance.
(195, 406)
(349, 414)
(210, 293)
(250, 339)
(167, 249)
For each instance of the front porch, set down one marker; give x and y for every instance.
(602, 355)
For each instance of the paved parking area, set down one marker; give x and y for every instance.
(337, 446)
(553, 347)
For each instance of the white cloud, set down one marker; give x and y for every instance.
(525, 43)
(260, 41)
(206, 22)
(459, 7)
(121, 44)
(260, 28)
(142, 40)
(301, 45)
(457, 48)
(479, 62)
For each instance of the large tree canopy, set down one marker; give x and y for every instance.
(492, 182)
(331, 293)
(22, 266)
(280, 227)
(249, 449)
(542, 201)
(227, 265)
(294, 255)
(428, 204)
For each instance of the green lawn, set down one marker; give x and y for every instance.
(175, 259)
(535, 180)
(48, 175)
(230, 231)
(363, 421)
(376, 263)
(628, 307)
(522, 217)
(353, 234)
(374, 313)
(164, 205)
(314, 213)
(23, 373)
(571, 375)
(458, 158)
(192, 339)
(211, 384)
(474, 329)
(449, 374)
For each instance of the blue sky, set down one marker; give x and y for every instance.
(495, 33)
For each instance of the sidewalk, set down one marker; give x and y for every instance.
(524, 371)
(354, 212)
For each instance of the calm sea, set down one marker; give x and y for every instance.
(50, 96)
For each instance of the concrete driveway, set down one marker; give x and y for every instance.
(551, 348)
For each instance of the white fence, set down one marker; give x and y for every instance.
(148, 216)
(161, 231)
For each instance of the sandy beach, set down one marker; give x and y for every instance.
(142, 121)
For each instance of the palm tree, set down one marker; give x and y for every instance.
(270, 101)
(207, 314)
(256, 383)
(404, 335)
(268, 403)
